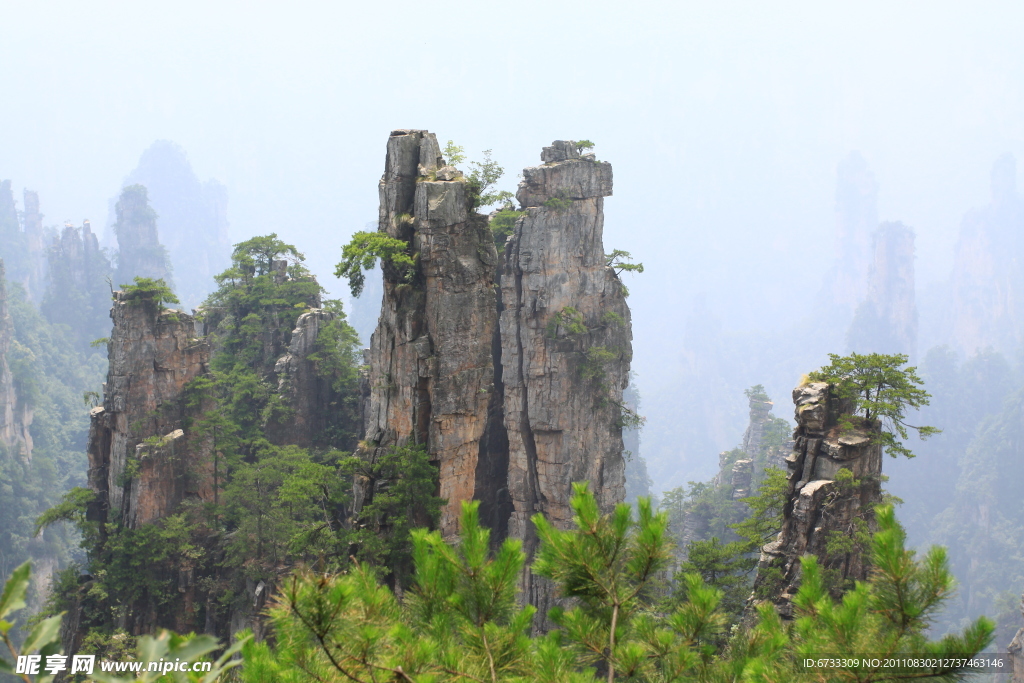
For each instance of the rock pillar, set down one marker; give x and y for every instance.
(566, 347)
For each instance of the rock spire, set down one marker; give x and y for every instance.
(566, 346)
(823, 502)
(432, 370)
(15, 413)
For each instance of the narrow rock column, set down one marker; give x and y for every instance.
(821, 505)
(566, 348)
(431, 366)
(16, 415)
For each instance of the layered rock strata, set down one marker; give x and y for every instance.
(16, 414)
(432, 369)
(141, 462)
(566, 346)
(303, 389)
(822, 503)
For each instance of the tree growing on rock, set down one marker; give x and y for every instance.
(882, 390)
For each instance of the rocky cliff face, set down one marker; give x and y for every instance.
(432, 371)
(886, 321)
(518, 395)
(304, 391)
(15, 414)
(823, 503)
(566, 347)
(140, 253)
(141, 461)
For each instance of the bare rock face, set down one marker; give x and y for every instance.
(566, 347)
(822, 503)
(302, 389)
(15, 414)
(886, 321)
(141, 462)
(432, 371)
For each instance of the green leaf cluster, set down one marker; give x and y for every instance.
(44, 638)
(460, 619)
(882, 390)
(362, 252)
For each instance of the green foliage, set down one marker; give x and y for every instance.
(170, 647)
(71, 508)
(765, 519)
(482, 177)
(51, 373)
(882, 390)
(402, 483)
(147, 291)
(612, 319)
(595, 363)
(43, 638)
(502, 226)
(362, 252)
(622, 261)
(608, 565)
(724, 566)
(285, 505)
(886, 616)
(560, 202)
(567, 322)
(460, 621)
(454, 154)
(582, 145)
(756, 393)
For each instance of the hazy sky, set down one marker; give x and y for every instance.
(724, 121)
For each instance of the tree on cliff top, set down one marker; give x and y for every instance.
(882, 390)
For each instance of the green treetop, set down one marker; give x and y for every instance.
(882, 390)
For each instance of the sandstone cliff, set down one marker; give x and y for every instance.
(823, 504)
(15, 413)
(432, 371)
(308, 395)
(886, 321)
(566, 346)
(515, 393)
(141, 462)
